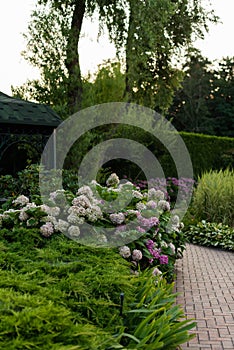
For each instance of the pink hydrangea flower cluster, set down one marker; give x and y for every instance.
(147, 222)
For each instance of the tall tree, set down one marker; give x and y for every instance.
(158, 31)
(221, 106)
(46, 50)
(205, 102)
(190, 111)
(151, 31)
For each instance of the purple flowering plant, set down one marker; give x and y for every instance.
(159, 246)
(169, 186)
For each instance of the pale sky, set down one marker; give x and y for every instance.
(15, 14)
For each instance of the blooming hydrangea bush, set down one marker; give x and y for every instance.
(155, 238)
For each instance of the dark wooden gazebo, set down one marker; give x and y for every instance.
(23, 123)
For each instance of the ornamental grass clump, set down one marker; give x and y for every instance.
(214, 197)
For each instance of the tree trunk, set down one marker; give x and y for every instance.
(72, 61)
(129, 54)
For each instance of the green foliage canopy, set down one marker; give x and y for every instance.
(152, 34)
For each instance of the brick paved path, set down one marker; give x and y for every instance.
(205, 279)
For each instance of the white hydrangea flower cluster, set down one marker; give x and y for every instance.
(176, 224)
(61, 225)
(113, 180)
(47, 229)
(81, 201)
(22, 200)
(151, 204)
(117, 218)
(86, 191)
(140, 206)
(75, 219)
(164, 205)
(137, 194)
(84, 207)
(74, 231)
(136, 255)
(29, 206)
(155, 194)
(51, 211)
(23, 216)
(125, 252)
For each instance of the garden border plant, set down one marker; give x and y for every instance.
(46, 277)
(211, 234)
(57, 294)
(154, 240)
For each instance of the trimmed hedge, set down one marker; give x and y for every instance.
(209, 152)
(206, 152)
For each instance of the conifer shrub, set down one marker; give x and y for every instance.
(57, 294)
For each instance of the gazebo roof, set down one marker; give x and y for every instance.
(17, 111)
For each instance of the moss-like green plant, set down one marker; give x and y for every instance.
(214, 197)
(57, 294)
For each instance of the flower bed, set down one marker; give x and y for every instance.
(140, 222)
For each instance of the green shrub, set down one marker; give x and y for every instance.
(32, 322)
(206, 153)
(8, 186)
(211, 234)
(214, 197)
(56, 294)
(27, 182)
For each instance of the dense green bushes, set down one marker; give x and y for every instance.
(27, 182)
(206, 153)
(56, 294)
(158, 328)
(210, 221)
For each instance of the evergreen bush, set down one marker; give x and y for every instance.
(56, 294)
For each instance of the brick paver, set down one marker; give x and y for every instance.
(205, 281)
